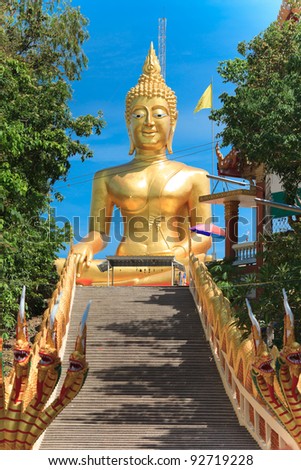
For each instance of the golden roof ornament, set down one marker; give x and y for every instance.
(151, 84)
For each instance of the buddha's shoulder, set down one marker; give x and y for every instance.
(112, 171)
(192, 170)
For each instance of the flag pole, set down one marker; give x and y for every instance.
(205, 102)
(212, 156)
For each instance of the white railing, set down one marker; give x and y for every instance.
(262, 425)
(245, 253)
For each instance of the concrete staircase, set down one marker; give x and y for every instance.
(152, 384)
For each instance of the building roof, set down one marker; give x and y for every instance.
(287, 11)
(244, 196)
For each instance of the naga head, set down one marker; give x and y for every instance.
(48, 356)
(50, 363)
(262, 358)
(291, 351)
(22, 351)
(49, 350)
(78, 366)
(77, 360)
(22, 348)
(48, 366)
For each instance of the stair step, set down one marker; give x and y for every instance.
(152, 381)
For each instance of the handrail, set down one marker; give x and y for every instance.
(217, 320)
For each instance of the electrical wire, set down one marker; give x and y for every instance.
(136, 166)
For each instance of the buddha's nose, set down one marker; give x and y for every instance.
(149, 120)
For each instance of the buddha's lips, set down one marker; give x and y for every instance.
(75, 366)
(294, 358)
(266, 367)
(45, 360)
(20, 355)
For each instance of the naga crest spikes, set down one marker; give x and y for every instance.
(256, 331)
(21, 332)
(289, 331)
(48, 330)
(80, 345)
(54, 310)
(262, 360)
(50, 334)
(291, 351)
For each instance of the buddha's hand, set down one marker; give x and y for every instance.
(85, 249)
(84, 255)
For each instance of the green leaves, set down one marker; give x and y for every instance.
(47, 34)
(42, 54)
(84, 126)
(234, 71)
(263, 117)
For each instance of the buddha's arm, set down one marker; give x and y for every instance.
(99, 227)
(199, 213)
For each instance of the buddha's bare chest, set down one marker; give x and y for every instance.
(134, 192)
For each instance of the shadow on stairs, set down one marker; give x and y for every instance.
(152, 384)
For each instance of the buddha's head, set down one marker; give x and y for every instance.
(151, 113)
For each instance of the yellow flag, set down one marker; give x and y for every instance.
(206, 100)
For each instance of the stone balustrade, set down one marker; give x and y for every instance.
(245, 253)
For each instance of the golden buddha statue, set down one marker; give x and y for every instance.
(157, 197)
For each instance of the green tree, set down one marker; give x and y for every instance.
(42, 55)
(263, 117)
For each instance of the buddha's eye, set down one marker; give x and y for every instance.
(138, 115)
(159, 114)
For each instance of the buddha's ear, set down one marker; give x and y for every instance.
(171, 134)
(132, 145)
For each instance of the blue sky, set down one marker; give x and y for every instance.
(200, 34)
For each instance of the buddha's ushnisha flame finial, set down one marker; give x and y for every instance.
(151, 84)
(152, 65)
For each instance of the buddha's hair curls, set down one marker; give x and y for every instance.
(151, 84)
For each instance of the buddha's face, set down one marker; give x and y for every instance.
(150, 127)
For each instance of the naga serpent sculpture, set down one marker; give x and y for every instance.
(269, 376)
(284, 400)
(25, 411)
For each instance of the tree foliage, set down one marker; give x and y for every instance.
(263, 117)
(42, 55)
